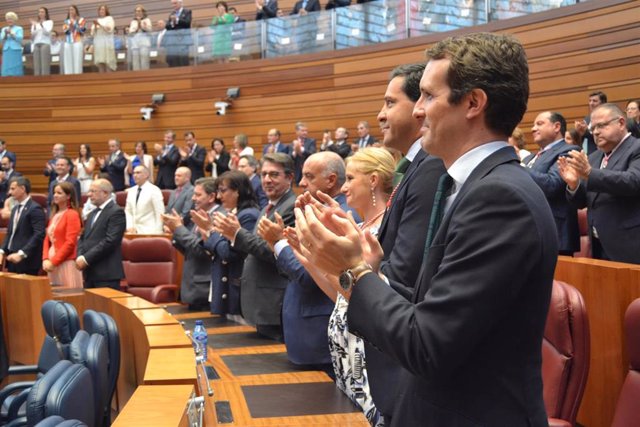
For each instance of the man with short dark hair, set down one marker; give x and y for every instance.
(274, 145)
(193, 156)
(114, 164)
(63, 174)
(301, 148)
(249, 166)
(548, 132)
(50, 168)
(262, 289)
(583, 127)
(6, 173)
(364, 137)
(469, 338)
(608, 184)
(22, 247)
(196, 273)
(100, 245)
(167, 158)
(340, 145)
(6, 153)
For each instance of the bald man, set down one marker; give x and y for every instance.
(145, 204)
(180, 199)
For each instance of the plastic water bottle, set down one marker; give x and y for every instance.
(200, 336)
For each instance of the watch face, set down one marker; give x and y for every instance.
(346, 280)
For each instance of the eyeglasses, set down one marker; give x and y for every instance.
(222, 190)
(272, 174)
(600, 126)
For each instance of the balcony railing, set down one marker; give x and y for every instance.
(357, 25)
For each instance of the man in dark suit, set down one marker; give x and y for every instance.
(306, 308)
(262, 289)
(470, 337)
(8, 172)
(266, 9)
(167, 158)
(177, 39)
(22, 247)
(193, 156)
(302, 7)
(6, 153)
(403, 230)
(583, 127)
(274, 145)
(364, 138)
(301, 148)
(63, 174)
(548, 132)
(196, 273)
(340, 145)
(249, 166)
(114, 165)
(608, 184)
(100, 245)
(180, 199)
(50, 168)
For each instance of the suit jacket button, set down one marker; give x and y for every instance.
(224, 279)
(224, 296)
(224, 262)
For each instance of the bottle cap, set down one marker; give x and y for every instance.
(199, 323)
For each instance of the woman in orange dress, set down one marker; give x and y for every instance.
(61, 241)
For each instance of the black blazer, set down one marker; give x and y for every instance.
(256, 183)
(312, 6)
(115, 169)
(545, 173)
(101, 244)
(344, 150)
(184, 21)
(471, 336)
(369, 141)
(222, 164)
(167, 165)
(76, 186)
(402, 235)
(310, 147)
(612, 196)
(28, 238)
(4, 186)
(195, 163)
(269, 10)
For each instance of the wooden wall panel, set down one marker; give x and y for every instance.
(572, 51)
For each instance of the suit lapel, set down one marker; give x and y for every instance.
(411, 170)
(621, 153)
(100, 218)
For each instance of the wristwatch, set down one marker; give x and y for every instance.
(349, 277)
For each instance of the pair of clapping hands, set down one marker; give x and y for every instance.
(573, 167)
(227, 225)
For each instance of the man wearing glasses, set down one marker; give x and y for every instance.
(608, 183)
(262, 288)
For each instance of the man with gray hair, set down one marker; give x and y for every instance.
(114, 164)
(144, 205)
(177, 39)
(180, 199)
(50, 167)
(100, 245)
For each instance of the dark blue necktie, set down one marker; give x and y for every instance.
(445, 183)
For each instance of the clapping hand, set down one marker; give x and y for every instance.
(271, 232)
(227, 225)
(172, 220)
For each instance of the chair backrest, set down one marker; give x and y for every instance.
(121, 198)
(40, 199)
(61, 323)
(565, 353)
(58, 421)
(103, 324)
(627, 407)
(92, 352)
(151, 263)
(166, 194)
(583, 227)
(66, 390)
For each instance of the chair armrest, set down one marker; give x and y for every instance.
(23, 369)
(12, 388)
(16, 404)
(555, 422)
(18, 422)
(158, 290)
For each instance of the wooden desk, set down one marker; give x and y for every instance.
(155, 316)
(171, 366)
(156, 406)
(99, 299)
(135, 303)
(607, 288)
(167, 336)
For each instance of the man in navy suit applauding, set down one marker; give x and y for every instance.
(608, 184)
(22, 247)
(469, 337)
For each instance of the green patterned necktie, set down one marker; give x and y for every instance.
(445, 183)
(401, 169)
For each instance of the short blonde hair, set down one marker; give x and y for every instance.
(375, 159)
(11, 16)
(518, 137)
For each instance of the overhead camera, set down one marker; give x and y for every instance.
(146, 113)
(221, 107)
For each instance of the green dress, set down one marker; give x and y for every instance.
(221, 26)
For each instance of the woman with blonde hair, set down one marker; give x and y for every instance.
(11, 39)
(61, 241)
(104, 51)
(516, 140)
